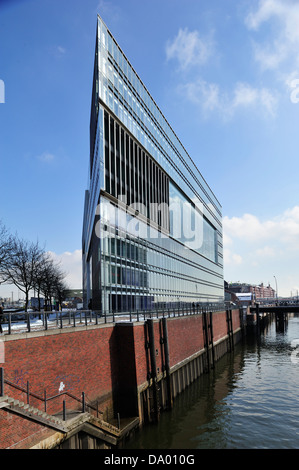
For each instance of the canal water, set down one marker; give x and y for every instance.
(249, 401)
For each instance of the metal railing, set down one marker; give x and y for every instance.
(83, 404)
(20, 322)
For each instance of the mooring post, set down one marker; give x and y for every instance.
(167, 364)
(151, 337)
(212, 339)
(257, 310)
(206, 339)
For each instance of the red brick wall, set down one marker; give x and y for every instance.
(15, 430)
(100, 360)
(220, 325)
(89, 360)
(185, 337)
(78, 361)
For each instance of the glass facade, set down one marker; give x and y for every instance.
(152, 230)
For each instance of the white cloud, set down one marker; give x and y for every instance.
(255, 250)
(231, 259)
(283, 228)
(61, 50)
(189, 49)
(46, 157)
(209, 97)
(284, 41)
(71, 264)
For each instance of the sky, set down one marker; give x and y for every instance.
(224, 74)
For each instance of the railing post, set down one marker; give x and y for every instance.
(60, 319)
(1, 381)
(83, 402)
(74, 318)
(64, 411)
(9, 323)
(28, 321)
(28, 393)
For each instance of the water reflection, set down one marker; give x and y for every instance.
(248, 401)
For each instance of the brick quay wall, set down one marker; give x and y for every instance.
(128, 369)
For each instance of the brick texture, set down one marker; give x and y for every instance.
(108, 363)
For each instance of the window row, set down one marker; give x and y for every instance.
(132, 176)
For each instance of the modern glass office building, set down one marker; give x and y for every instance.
(152, 228)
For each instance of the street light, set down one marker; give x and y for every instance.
(276, 288)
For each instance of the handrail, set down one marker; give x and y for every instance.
(74, 318)
(44, 399)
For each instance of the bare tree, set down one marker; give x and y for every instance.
(23, 261)
(5, 249)
(60, 287)
(51, 281)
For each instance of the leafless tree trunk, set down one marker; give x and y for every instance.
(5, 249)
(23, 261)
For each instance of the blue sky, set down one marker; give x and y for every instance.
(225, 75)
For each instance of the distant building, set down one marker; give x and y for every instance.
(259, 292)
(36, 303)
(73, 298)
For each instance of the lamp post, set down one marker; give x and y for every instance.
(276, 288)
